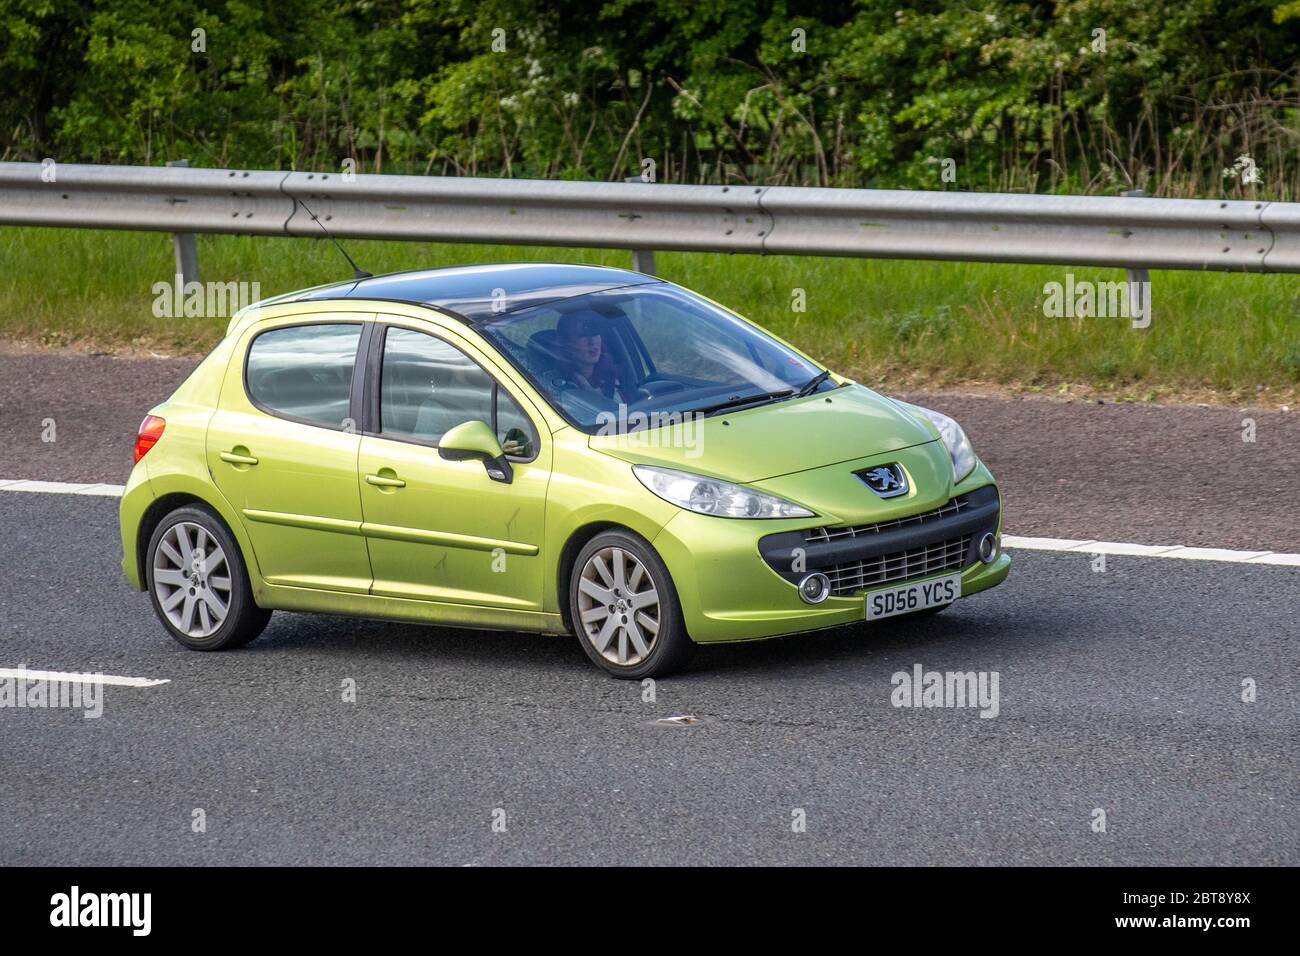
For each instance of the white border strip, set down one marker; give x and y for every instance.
(1151, 550)
(61, 487)
(1008, 541)
(70, 678)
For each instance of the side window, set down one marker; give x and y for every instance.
(304, 372)
(428, 387)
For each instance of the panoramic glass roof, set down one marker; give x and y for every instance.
(481, 292)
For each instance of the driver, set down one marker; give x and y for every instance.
(582, 359)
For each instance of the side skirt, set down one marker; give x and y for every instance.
(281, 597)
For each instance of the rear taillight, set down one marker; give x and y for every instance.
(151, 430)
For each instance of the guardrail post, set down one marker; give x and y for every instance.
(1139, 282)
(187, 248)
(643, 260)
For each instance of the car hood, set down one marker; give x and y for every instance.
(769, 441)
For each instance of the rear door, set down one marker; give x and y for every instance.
(283, 444)
(444, 530)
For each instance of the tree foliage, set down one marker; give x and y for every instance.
(1075, 95)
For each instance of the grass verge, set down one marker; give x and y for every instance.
(1213, 336)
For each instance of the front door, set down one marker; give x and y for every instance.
(444, 530)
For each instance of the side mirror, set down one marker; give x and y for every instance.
(476, 440)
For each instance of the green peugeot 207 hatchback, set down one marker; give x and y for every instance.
(555, 448)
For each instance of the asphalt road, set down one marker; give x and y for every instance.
(1119, 691)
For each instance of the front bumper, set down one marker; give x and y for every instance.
(736, 583)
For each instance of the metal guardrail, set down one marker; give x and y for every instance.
(1124, 232)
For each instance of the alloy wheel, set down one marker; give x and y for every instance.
(191, 579)
(619, 606)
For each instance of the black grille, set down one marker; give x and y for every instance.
(953, 507)
(899, 566)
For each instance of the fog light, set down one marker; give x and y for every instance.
(815, 588)
(988, 548)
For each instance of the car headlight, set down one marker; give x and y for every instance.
(709, 496)
(955, 440)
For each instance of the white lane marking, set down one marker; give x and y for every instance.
(61, 487)
(70, 678)
(1152, 550)
(1008, 541)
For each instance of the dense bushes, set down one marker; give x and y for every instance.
(1080, 95)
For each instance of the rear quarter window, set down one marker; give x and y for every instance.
(304, 372)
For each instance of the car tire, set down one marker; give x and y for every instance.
(188, 592)
(633, 624)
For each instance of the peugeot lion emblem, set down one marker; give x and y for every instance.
(885, 480)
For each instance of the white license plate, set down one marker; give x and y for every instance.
(906, 598)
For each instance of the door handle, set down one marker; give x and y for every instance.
(383, 482)
(234, 459)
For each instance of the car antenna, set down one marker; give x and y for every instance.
(357, 271)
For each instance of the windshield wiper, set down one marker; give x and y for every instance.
(736, 400)
(811, 385)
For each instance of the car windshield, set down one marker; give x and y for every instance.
(646, 355)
